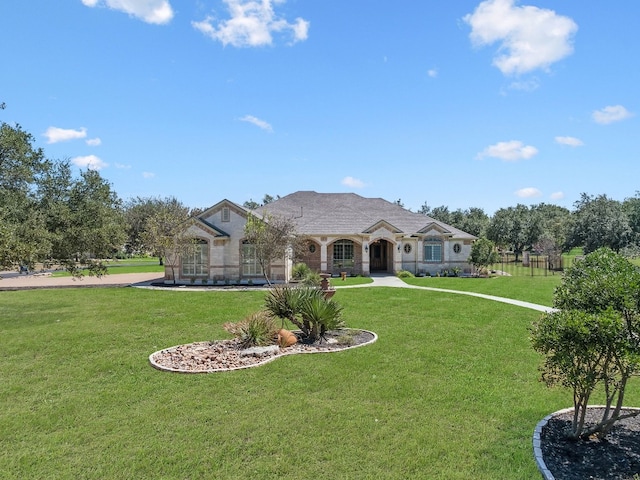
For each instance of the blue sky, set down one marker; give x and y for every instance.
(459, 103)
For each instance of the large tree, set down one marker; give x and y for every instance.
(47, 215)
(472, 220)
(517, 228)
(138, 211)
(92, 225)
(599, 221)
(632, 209)
(23, 235)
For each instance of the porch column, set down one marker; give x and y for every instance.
(323, 256)
(366, 269)
(397, 256)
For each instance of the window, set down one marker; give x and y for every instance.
(250, 265)
(407, 248)
(312, 248)
(226, 214)
(196, 263)
(457, 248)
(343, 254)
(433, 250)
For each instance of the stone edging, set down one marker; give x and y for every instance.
(537, 442)
(258, 364)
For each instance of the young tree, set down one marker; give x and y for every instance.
(594, 336)
(273, 238)
(483, 254)
(164, 234)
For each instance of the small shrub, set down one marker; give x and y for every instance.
(306, 308)
(347, 337)
(300, 271)
(258, 329)
(312, 279)
(404, 274)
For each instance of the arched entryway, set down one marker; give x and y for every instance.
(380, 256)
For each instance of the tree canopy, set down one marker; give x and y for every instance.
(49, 216)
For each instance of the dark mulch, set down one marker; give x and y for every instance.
(617, 457)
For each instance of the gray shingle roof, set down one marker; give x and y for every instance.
(348, 213)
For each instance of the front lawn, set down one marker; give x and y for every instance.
(449, 391)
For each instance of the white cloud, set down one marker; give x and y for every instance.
(94, 142)
(150, 11)
(611, 114)
(122, 166)
(557, 196)
(148, 175)
(352, 182)
(570, 141)
(91, 162)
(55, 134)
(433, 73)
(528, 192)
(528, 85)
(257, 122)
(511, 151)
(530, 37)
(252, 24)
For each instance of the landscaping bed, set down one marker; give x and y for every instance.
(224, 355)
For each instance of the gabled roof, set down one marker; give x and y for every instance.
(208, 227)
(438, 226)
(239, 209)
(382, 224)
(350, 214)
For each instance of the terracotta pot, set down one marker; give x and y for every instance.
(286, 338)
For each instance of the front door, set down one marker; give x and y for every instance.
(378, 256)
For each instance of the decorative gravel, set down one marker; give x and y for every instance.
(225, 355)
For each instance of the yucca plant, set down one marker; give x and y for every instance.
(258, 329)
(306, 308)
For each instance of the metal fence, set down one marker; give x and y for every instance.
(530, 264)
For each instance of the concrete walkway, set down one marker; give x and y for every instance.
(13, 281)
(393, 281)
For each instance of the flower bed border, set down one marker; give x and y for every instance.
(282, 353)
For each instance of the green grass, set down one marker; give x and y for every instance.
(449, 391)
(130, 265)
(530, 289)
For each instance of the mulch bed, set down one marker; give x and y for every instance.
(617, 457)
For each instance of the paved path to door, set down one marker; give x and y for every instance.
(393, 281)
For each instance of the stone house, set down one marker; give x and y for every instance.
(346, 232)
